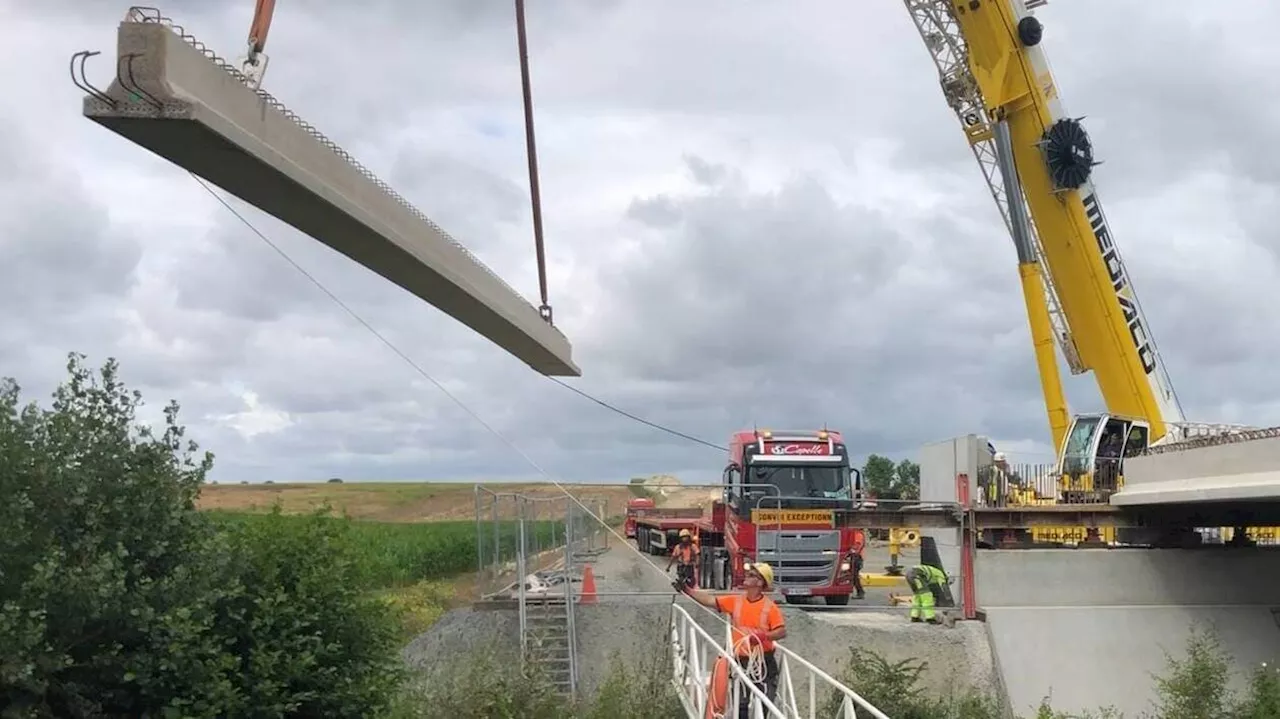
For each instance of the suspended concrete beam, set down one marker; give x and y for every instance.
(176, 98)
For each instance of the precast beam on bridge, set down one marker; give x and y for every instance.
(1234, 469)
(176, 98)
(993, 518)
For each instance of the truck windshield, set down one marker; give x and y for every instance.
(803, 481)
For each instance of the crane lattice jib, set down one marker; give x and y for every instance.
(992, 68)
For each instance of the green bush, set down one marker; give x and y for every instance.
(639, 691)
(1194, 686)
(1263, 699)
(485, 686)
(894, 688)
(117, 597)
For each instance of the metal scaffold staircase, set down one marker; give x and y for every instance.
(548, 639)
(804, 691)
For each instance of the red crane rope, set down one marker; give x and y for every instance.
(531, 148)
(260, 26)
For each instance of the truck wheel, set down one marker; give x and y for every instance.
(837, 600)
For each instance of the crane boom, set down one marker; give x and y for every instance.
(946, 44)
(993, 71)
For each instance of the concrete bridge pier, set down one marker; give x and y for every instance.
(1091, 628)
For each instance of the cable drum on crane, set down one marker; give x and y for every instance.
(1069, 153)
(1030, 31)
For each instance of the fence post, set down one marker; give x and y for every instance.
(969, 594)
(497, 537)
(479, 537)
(520, 574)
(568, 539)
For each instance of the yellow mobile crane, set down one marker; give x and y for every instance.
(1037, 162)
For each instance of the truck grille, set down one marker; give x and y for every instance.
(800, 558)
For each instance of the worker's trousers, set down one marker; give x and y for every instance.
(857, 576)
(687, 574)
(769, 686)
(922, 599)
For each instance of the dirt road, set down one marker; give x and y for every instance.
(622, 571)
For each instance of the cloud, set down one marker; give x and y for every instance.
(754, 215)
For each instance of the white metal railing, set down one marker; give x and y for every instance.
(802, 688)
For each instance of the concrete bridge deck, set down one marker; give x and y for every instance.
(176, 98)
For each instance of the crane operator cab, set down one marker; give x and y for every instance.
(1092, 465)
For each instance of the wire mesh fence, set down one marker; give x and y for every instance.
(519, 533)
(1006, 484)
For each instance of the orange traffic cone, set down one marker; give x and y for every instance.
(588, 586)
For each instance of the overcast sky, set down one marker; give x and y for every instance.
(756, 212)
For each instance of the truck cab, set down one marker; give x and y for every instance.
(636, 507)
(783, 492)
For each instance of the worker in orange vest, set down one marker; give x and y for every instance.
(757, 624)
(686, 553)
(859, 543)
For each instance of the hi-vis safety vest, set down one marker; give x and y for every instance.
(684, 553)
(767, 608)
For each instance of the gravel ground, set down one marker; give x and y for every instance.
(630, 623)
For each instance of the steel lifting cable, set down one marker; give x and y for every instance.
(440, 386)
(755, 664)
(531, 149)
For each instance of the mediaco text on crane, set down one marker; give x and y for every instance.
(1120, 282)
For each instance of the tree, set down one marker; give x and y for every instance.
(119, 598)
(885, 480)
(102, 557)
(906, 480)
(877, 477)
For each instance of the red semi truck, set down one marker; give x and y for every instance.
(787, 496)
(636, 507)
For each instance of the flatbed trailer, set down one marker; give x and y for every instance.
(659, 531)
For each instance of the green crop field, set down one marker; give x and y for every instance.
(391, 554)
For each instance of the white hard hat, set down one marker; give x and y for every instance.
(999, 457)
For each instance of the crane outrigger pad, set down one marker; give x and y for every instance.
(176, 98)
